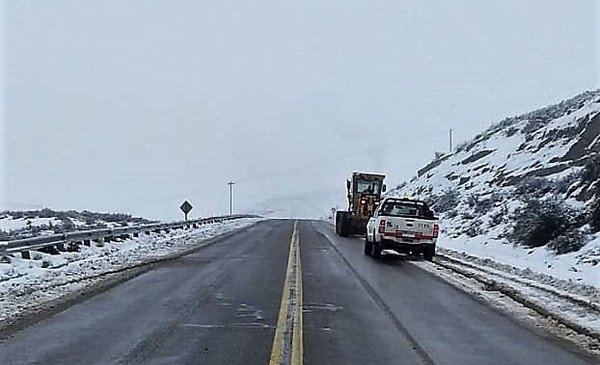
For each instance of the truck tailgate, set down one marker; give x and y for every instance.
(410, 227)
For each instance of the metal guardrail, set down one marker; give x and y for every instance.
(56, 242)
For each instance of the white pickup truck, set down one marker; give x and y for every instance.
(403, 225)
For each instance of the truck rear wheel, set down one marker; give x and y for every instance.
(375, 249)
(428, 253)
(368, 246)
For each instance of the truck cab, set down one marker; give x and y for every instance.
(404, 225)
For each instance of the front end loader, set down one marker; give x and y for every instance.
(364, 193)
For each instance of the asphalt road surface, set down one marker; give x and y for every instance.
(283, 292)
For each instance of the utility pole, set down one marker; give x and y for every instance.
(230, 183)
(450, 140)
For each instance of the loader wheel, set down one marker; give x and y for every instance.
(368, 246)
(344, 227)
(341, 223)
(344, 231)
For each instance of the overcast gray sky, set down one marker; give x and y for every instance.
(136, 105)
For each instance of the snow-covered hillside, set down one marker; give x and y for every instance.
(29, 223)
(525, 192)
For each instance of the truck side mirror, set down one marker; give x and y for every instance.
(384, 188)
(348, 184)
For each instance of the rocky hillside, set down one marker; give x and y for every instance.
(530, 180)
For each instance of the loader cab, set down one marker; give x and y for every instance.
(364, 193)
(366, 184)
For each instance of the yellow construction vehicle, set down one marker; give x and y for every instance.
(364, 193)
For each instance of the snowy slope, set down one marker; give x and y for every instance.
(9, 223)
(30, 223)
(486, 190)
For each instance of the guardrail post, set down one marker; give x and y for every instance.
(26, 255)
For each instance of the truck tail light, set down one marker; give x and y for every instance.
(382, 226)
(436, 230)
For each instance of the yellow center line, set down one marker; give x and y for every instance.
(287, 343)
(297, 347)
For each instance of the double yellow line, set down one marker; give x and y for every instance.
(287, 343)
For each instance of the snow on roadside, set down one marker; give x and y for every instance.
(576, 303)
(560, 309)
(582, 267)
(9, 223)
(566, 286)
(559, 293)
(27, 284)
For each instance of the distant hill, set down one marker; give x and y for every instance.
(309, 205)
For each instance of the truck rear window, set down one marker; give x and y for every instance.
(406, 209)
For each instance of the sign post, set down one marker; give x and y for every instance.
(186, 207)
(231, 183)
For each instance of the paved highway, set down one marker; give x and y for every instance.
(283, 292)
